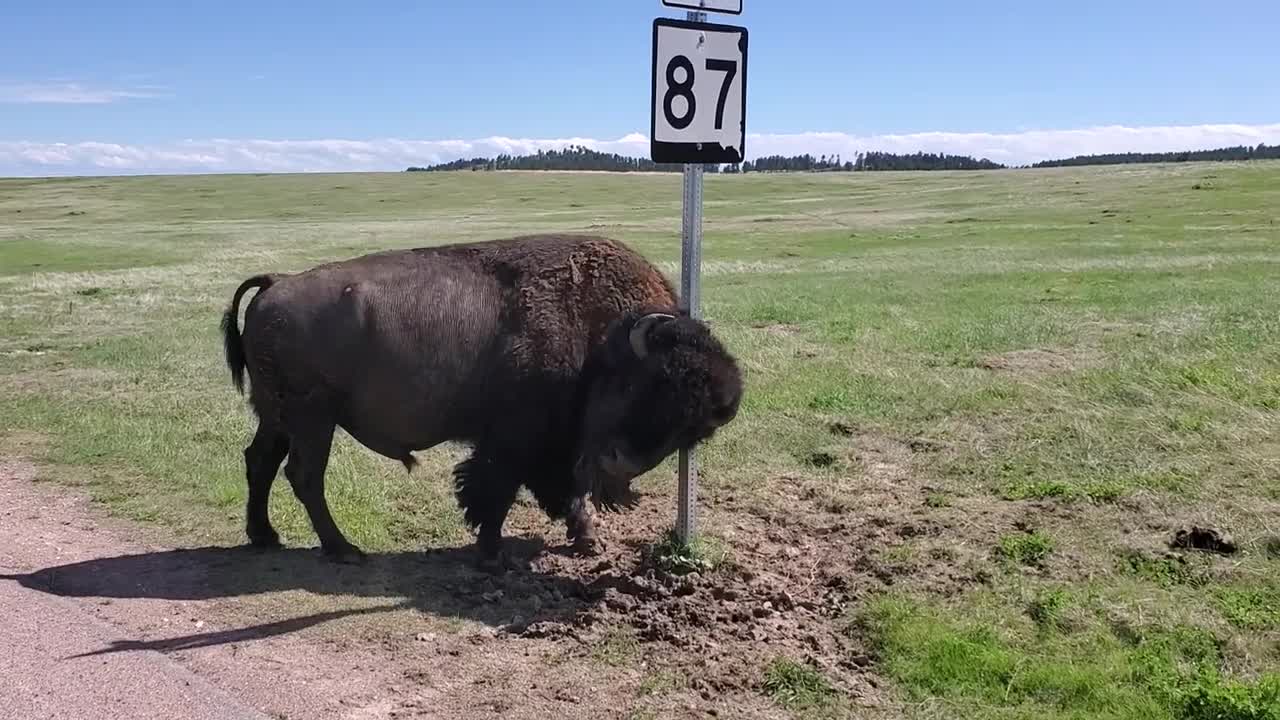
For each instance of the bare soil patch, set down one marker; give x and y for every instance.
(83, 380)
(425, 634)
(1036, 362)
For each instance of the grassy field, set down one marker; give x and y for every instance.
(1060, 368)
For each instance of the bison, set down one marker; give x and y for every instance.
(562, 361)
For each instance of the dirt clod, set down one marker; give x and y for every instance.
(820, 459)
(1206, 539)
(841, 428)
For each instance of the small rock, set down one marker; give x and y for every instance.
(724, 593)
(565, 695)
(620, 602)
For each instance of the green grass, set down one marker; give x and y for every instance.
(618, 647)
(1166, 570)
(980, 669)
(797, 686)
(704, 554)
(1107, 373)
(1251, 608)
(1047, 609)
(1031, 548)
(937, 500)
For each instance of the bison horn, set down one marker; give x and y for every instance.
(640, 332)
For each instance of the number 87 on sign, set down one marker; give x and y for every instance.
(698, 109)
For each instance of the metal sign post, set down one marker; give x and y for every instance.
(690, 287)
(697, 116)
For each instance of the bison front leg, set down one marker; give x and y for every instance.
(485, 490)
(581, 528)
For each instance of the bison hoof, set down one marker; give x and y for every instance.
(346, 554)
(266, 539)
(588, 545)
(498, 564)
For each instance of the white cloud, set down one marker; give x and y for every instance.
(70, 93)
(227, 155)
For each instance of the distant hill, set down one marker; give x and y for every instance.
(1238, 152)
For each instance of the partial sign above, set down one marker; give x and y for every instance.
(733, 7)
(698, 104)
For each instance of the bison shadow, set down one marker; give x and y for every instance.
(443, 582)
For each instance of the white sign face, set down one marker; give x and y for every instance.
(733, 7)
(698, 109)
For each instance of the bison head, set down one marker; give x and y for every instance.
(660, 382)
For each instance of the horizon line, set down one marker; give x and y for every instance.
(273, 156)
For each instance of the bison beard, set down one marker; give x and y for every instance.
(560, 359)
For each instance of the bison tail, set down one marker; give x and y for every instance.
(231, 342)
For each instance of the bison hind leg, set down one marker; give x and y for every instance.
(262, 460)
(310, 440)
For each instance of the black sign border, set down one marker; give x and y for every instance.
(687, 152)
(703, 9)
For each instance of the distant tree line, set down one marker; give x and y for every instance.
(577, 157)
(863, 162)
(1238, 152)
(574, 157)
(921, 161)
(792, 163)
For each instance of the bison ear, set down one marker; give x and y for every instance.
(639, 335)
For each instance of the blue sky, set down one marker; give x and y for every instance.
(148, 75)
